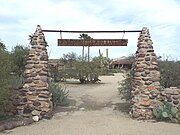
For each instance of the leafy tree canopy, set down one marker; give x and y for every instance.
(2, 46)
(19, 55)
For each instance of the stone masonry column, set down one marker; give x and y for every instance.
(35, 98)
(146, 77)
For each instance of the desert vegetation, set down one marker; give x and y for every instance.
(12, 65)
(170, 77)
(59, 94)
(11, 74)
(74, 67)
(170, 73)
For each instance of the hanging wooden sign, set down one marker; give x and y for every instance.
(92, 42)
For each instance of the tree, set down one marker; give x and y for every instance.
(2, 46)
(85, 37)
(170, 73)
(69, 57)
(75, 68)
(5, 77)
(68, 60)
(9, 61)
(5, 64)
(19, 56)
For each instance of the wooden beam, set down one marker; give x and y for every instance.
(101, 31)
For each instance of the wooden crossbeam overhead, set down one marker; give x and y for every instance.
(68, 31)
(92, 42)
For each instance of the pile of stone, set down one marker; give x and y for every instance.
(146, 78)
(171, 95)
(35, 98)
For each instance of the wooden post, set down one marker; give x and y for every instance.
(107, 59)
(88, 53)
(83, 51)
(101, 57)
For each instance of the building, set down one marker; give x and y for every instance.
(121, 63)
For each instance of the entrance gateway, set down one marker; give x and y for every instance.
(91, 42)
(36, 100)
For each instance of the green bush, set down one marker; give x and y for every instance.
(9, 92)
(9, 79)
(74, 67)
(12, 66)
(59, 94)
(170, 77)
(170, 73)
(126, 86)
(19, 55)
(5, 92)
(87, 72)
(167, 112)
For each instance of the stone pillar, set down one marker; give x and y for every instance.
(146, 78)
(35, 98)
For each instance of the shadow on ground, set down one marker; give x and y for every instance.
(123, 107)
(88, 104)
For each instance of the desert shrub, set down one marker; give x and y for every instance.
(15, 81)
(5, 94)
(74, 67)
(125, 86)
(87, 72)
(8, 80)
(59, 94)
(8, 94)
(5, 64)
(170, 73)
(55, 73)
(167, 112)
(19, 55)
(170, 77)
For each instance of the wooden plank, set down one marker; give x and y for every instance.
(92, 42)
(102, 31)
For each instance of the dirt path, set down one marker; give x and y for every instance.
(95, 110)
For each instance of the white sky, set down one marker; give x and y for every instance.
(19, 18)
